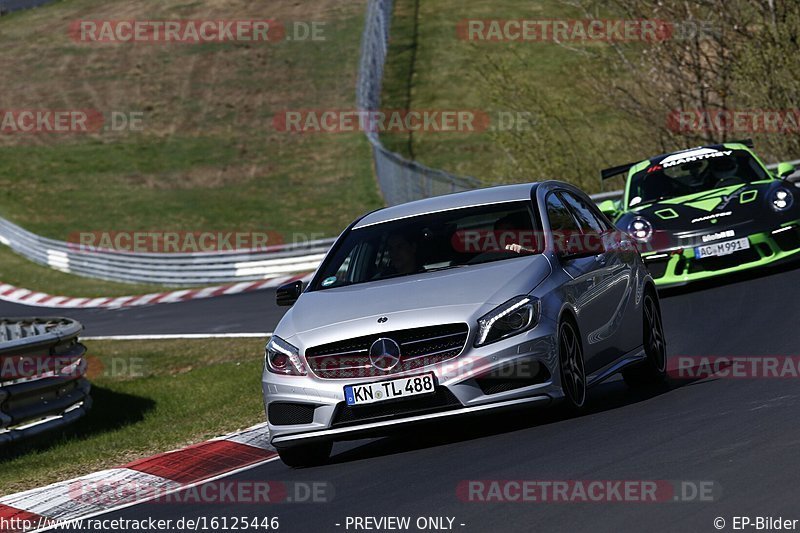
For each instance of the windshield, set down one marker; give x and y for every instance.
(692, 172)
(425, 243)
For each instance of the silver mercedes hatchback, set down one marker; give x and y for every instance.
(460, 304)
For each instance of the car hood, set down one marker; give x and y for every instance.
(456, 295)
(743, 209)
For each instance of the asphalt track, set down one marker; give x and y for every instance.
(743, 435)
(248, 312)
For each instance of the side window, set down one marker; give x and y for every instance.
(358, 262)
(348, 266)
(560, 218)
(565, 231)
(589, 221)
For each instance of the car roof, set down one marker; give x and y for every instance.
(475, 197)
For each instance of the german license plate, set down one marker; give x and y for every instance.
(382, 391)
(721, 248)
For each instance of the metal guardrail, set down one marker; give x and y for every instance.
(400, 180)
(199, 268)
(42, 376)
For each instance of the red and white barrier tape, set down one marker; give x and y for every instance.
(13, 294)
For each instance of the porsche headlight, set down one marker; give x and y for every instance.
(782, 199)
(640, 229)
(513, 317)
(283, 358)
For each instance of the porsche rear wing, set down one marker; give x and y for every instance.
(607, 173)
(747, 142)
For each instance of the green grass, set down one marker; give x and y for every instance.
(139, 185)
(149, 397)
(429, 67)
(208, 157)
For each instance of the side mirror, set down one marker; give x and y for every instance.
(610, 208)
(287, 294)
(785, 170)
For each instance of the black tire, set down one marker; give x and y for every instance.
(653, 370)
(573, 370)
(305, 455)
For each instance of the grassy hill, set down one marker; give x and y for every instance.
(572, 130)
(207, 156)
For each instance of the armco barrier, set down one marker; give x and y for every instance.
(42, 376)
(400, 179)
(200, 268)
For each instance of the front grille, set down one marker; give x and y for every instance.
(289, 414)
(711, 264)
(441, 400)
(419, 347)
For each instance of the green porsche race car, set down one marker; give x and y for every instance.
(707, 211)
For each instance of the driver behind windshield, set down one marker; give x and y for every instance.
(516, 226)
(402, 255)
(725, 171)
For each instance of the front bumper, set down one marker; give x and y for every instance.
(521, 370)
(676, 267)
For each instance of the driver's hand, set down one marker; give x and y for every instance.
(516, 248)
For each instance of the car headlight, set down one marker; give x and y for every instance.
(283, 358)
(640, 229)
(513, 317)
(782, 199)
